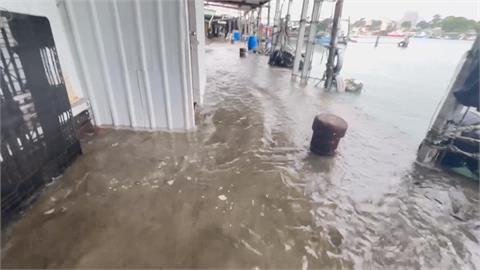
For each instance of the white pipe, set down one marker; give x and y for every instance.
(301, 37)
(311, 39)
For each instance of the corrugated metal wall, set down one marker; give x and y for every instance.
(135, 61)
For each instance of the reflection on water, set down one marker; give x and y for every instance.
(243, 191)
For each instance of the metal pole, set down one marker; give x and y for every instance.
(241, 26)
(311, 39)
(229, 23)
(333, 44)
(276, 24)
(247, 22)
(284, 34)
(288, 10)
(301, 37)
(259, 21)
(349, 28)
(377, 40)
(268, 14)
(252, 22)
(268, 22)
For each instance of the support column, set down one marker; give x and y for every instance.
(268, 23)
(301, 37)
(276, 24)
(251, 19)
(268, 14)
(289, 7)
(377, 40)
(311, 39)
(245, 26)
(259, 30)
(333, 44)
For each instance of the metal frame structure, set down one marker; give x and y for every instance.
(330, 73)
(38, 138)
(301, 37)
(311, 39)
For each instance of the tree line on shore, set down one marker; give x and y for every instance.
(446, 24)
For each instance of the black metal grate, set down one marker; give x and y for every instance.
(38, 138)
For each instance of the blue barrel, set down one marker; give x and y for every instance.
(236, 35)
(252, 43)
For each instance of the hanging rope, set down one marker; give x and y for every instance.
(455, 149)
(455, 133)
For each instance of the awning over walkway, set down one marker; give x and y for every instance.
(237, 4)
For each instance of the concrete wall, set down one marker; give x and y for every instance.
(132, 59)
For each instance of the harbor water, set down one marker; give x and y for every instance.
(244, 191)
(404, 86)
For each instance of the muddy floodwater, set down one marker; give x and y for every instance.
(243, 190)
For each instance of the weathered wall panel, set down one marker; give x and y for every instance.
(130, 58)
(135, 61)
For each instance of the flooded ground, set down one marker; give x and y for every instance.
(243, 191)
(403, 86)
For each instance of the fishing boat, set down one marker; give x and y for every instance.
(453, 140)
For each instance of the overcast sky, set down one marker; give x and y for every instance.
(395, 9)
(390, 9)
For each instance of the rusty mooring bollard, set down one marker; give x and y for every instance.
(328, 129)
(243, 52)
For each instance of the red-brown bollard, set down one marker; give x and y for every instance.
(328, 129)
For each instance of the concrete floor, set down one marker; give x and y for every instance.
(243, 191)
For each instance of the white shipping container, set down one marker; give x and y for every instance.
(139, 63)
